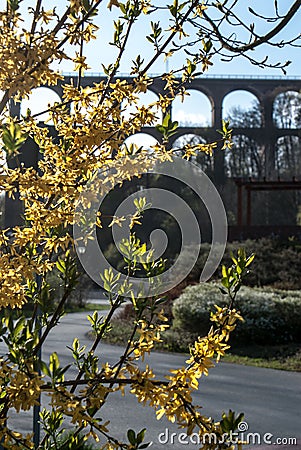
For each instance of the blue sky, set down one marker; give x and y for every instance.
(100, 52)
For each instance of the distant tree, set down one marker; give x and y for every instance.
(246, 157)
(287, 110)
(246, 118)
(288, 157)
(203, 159)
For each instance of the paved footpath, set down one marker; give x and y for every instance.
(270, 399)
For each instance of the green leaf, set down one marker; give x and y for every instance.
(223, 291)
(141, 435)
(19, 325)
(61, 266)
(225, 282)
(54, 363)
(224, 271)
(168, 127)
(229, 422)
(44, 368)
(131, 436)
(60, 373)
(150, 39)
(250, 259)
(207, 45)
(12, 137)
(238, 420)
(86, 5)
(13, 4)
(160, 128)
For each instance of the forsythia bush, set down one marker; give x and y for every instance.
(91, 126)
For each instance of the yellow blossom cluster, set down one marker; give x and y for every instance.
(149, 334)
(12, 289)
(13, 440)
(226, 319)
(19, 54)
(24, 390)
(190, 150)
(173, 399)
(81, 408)
(19, 388)
(70, 405)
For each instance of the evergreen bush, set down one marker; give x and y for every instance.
(270, 316)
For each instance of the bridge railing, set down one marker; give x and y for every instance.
(213, 76)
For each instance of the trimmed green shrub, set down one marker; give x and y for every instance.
(270, 316)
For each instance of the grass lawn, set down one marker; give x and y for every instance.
(284, 357)
(87, 307)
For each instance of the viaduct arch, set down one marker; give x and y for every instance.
(216, 89)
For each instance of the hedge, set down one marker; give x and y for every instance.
(270, 316)
(272, 266)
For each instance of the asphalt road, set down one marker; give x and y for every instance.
(270, 399)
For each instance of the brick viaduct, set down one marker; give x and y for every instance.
(216, 89)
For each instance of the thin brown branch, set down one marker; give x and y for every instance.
(52, 322)
(81, 52)
(259, 41)
(97, 340)
(4, 100)
(79, 23)
(170, 38)
(105, 381)
(118, 59)
(34, 20)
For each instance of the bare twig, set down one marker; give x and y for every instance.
(260, 40)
